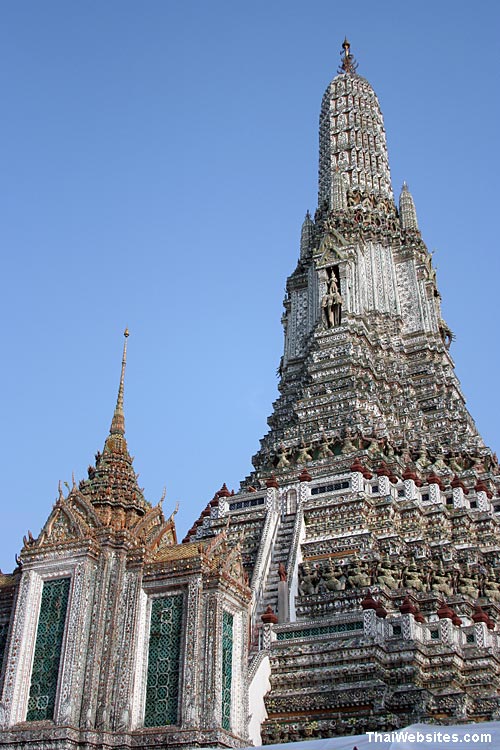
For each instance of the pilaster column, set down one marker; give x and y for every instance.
(369, 623)
(124, 650)
(446, 628)
(71, 686)
(458, 497)
(272, 498)
(384, 485)
(357, 481)
(304, 492)
(410, 489)
(190, 696)
(268, 636)
(434, 493)
(408, 626)
(211, 712)
(482, 500)
(240, 708)
(140, 665)
(480, 634)
(22, 645)
(283, 602)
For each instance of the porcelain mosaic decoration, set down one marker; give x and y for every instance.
(351, 583)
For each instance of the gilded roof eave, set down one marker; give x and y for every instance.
(178, 552)
(8, 579)
(214, 558)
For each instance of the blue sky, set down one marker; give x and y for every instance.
(157, 160)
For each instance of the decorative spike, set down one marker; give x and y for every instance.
(224, 492)
(174, 512)
(118, 421)
(407, 212)
(306, 236)
(163, 494)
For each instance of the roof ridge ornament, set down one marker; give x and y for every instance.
(348, 63)
(118, 421)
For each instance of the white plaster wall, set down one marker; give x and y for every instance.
(259, 686)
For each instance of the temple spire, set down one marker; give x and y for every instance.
(407, 212)
(112, 484)
(352, 137)
(306, 236)
(118, 421)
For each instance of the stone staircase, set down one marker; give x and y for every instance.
(279, 555)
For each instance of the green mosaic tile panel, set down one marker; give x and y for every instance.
(48, 644)
(342, 627)
(227, 668)
(162, 692)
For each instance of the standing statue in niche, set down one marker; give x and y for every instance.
(282, 457)
(331, 304)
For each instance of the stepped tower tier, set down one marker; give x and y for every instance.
(352, 584)
(370, 525)
(366, 351)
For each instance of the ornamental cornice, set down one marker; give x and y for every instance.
(174, 571)
(49, 737)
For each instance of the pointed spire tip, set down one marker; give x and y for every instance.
(348, 64)
(118, 421)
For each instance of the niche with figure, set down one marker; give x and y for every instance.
(331, 304)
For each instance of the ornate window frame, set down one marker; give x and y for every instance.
(239, 684)
(147, 595)
(20, 654)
